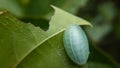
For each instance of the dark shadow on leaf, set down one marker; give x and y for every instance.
(42, 23)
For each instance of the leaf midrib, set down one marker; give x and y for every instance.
(38, 44)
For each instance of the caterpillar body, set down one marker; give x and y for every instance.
(76, 44)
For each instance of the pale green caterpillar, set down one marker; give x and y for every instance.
(76, 44)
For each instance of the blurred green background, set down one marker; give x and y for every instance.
(103, 14)
(105, 17)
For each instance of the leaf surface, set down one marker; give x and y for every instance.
(23, 39)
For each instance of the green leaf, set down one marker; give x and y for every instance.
(50, 54)
(19, 41)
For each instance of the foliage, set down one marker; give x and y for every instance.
(24, 45)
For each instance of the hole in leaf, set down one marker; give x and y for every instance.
(42, 23)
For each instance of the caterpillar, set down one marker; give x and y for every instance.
(76, 44)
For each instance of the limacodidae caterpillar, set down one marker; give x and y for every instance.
(76, 44)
